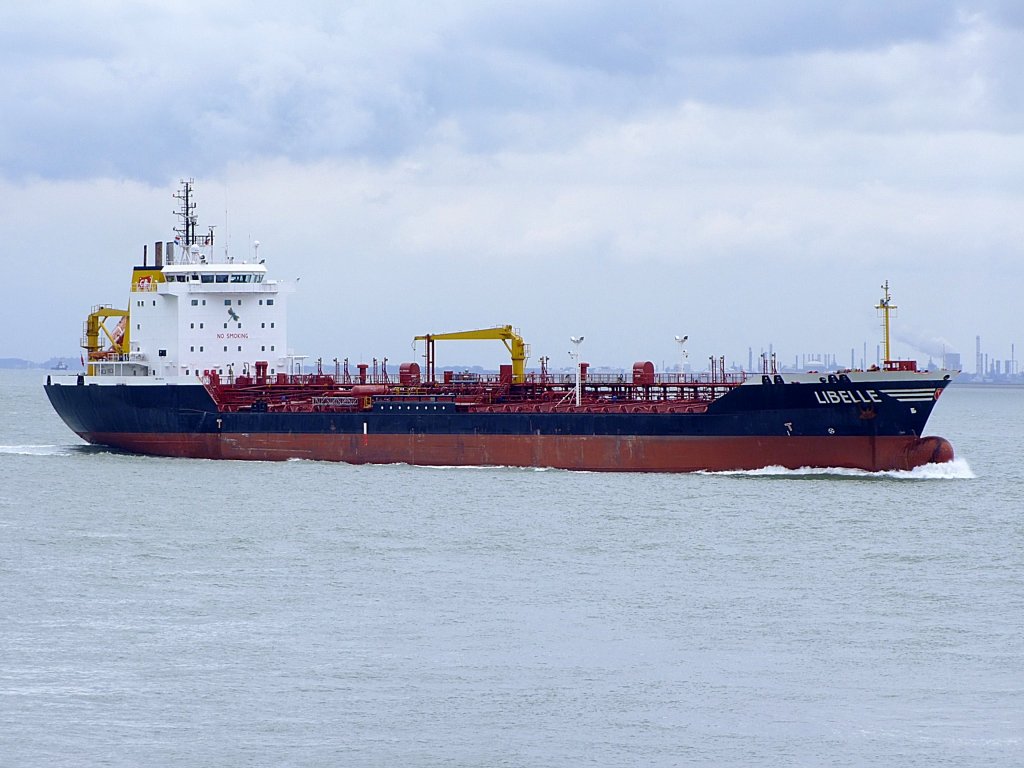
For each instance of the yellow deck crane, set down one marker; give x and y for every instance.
(504, 333)
(118, 337)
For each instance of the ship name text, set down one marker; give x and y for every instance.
(852, 396)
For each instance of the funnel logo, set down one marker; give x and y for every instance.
(232, 315)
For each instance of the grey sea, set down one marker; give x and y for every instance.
(158, 612)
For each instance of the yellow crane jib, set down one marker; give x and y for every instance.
(504, 333)
(95, 324)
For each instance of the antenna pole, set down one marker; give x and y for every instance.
(886, 306)
(187, 230)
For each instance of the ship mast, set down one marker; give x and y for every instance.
(187, 230)
(887, 307)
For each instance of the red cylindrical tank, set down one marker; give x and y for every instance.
(366, 390)
(409, 374)
(643, 373)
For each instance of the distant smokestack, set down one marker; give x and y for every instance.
(158, 255)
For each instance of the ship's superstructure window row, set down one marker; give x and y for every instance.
(208, 277)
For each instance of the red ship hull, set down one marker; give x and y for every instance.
(599, 453)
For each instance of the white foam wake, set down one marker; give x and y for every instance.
(36, 450)
(958, 469)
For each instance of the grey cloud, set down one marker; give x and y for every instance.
(147, 92)
(641, 37)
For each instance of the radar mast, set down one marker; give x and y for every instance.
(187, 213)
(887, 308)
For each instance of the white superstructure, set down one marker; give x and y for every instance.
(190, 312)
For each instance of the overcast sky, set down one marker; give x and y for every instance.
(747, 173)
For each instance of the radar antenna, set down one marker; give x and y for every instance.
(186, 213)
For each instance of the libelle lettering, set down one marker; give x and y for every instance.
(851, 396)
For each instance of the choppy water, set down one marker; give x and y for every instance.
(166, 611)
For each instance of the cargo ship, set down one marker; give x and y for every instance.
(198, 366)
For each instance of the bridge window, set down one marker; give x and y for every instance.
(227, 302)
(270, 302)
(195, 302)
(221, 278)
